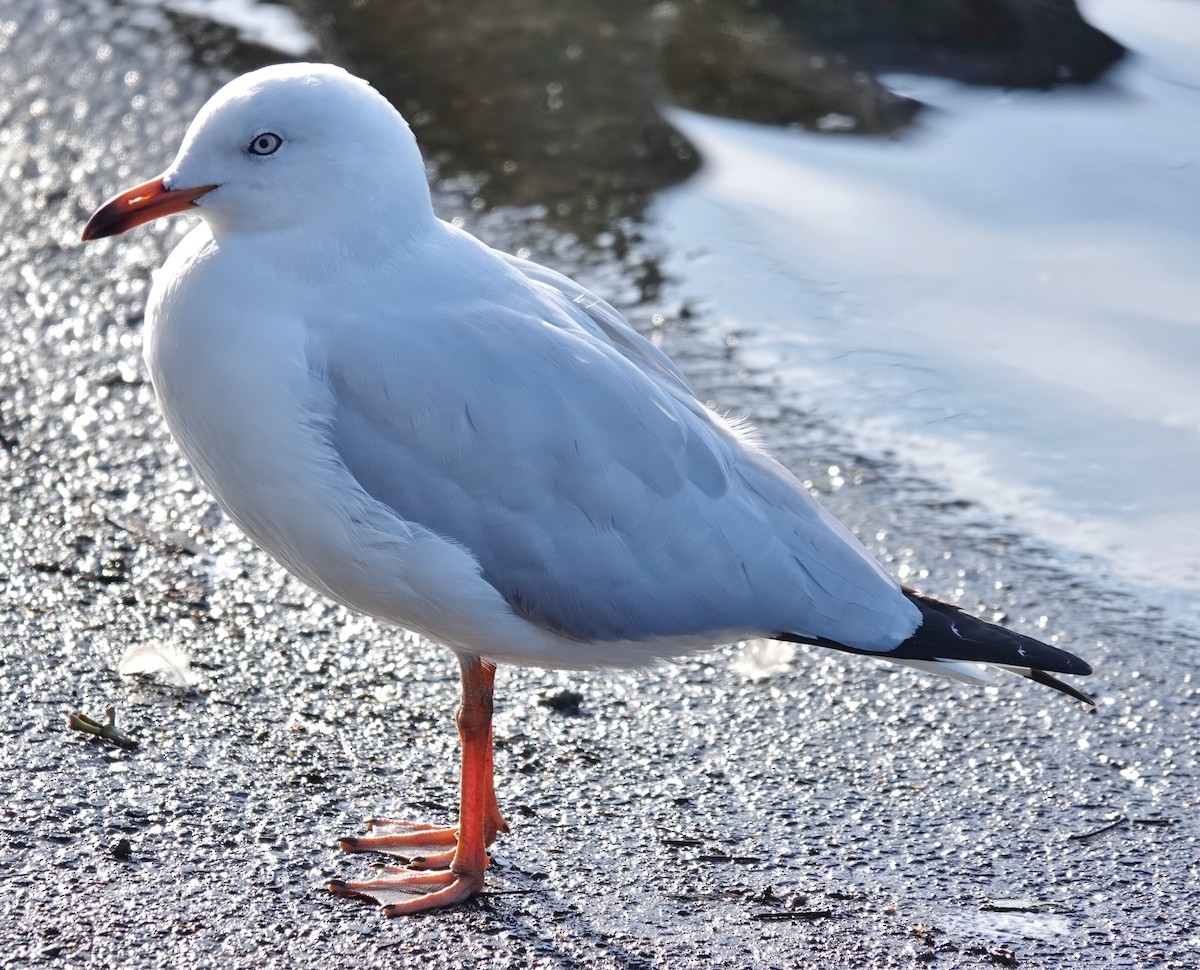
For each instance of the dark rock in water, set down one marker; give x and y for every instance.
(561, 104)
(1012, 43)
(550, 103)
(744, 62)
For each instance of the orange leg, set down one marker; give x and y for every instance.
(454, 874)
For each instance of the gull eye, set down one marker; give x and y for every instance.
(265, 144)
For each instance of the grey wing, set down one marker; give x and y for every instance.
(603, 320)
(601, 502)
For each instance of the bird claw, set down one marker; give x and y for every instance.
(426, 881)
(415, 892)
(419, 844)
(444, 864)
(406, 840)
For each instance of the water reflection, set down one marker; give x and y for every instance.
(559, 104)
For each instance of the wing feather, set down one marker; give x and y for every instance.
(603, 501)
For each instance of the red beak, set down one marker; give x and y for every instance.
(138, 205)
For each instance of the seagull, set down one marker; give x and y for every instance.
(474, 447)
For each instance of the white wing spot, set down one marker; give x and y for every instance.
(954, 630)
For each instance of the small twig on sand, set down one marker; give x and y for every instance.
(105, 730)
(1084, 836)
(798, 915)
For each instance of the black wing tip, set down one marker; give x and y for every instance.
(1067, 663)
(1043, 678)
(948, 633)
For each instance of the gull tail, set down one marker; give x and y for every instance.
(952, 642)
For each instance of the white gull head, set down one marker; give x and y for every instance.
(292, 147)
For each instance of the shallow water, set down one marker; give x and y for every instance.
(1006, 296)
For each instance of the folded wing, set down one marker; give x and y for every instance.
(568, 456)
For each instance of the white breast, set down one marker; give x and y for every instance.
(250, 412)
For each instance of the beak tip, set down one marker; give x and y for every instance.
(139, 205)
(98, 227)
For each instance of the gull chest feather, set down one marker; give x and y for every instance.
(229, 364)
(234, 371)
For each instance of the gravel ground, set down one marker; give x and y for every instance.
(823, 813)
